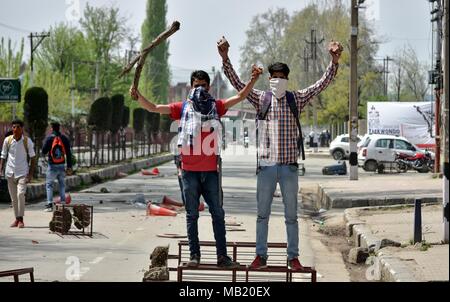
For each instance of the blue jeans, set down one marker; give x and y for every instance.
(206, 184)
(268, 177)
(55, 172)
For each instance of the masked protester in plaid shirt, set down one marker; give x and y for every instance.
(199, 120)
(277, 162)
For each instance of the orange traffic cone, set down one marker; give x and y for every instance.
(153, 210)
(154, 172)
(168, 206)
(145, 172)
(67, 201)
(201, 206)
(169, 201)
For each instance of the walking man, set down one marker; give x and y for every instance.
(198, 137)
(278, 112)
(17, 151)
(57, 145)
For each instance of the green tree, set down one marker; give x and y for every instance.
(35, 110)
(100, 115)
(331, 20)
(264, 42)
(156, 72)
(104, 29)
(65, 45)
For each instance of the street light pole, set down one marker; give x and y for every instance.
(353, 116)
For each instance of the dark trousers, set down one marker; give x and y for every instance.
(206, 184)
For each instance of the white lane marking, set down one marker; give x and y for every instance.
(97, 260)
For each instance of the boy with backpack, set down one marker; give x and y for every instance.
(278, 112)
(199, 130)
(17, 152)
(57, 145)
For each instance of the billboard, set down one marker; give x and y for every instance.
(413, 120)
(9, 90)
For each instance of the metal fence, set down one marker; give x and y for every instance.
(93, 148)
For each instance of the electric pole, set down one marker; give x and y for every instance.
(386, 75)
(34, 47)
(445, 122)
(313, 56)
(437, 19)
(353, 116)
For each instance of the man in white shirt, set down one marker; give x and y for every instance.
(15, 152)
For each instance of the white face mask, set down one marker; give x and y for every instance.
(278, 87)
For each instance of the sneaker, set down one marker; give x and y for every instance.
(226, 262)
(295, 265)
(48, 208)
(259, 262)
(20, 225)
(194, 261)
(15, 224)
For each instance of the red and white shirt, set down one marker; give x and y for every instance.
(202, 155)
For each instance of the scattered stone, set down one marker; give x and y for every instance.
(66, 220)
(358, 255)
(156, 274)
(158, 270)
(81, 216)
(104, 190)
(159, 256)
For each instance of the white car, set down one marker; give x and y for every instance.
(380, 148)
(340, 147)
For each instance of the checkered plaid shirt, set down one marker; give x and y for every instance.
(278, 133)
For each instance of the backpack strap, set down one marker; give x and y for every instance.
(294, 109)
(25, 143)
(265, 106)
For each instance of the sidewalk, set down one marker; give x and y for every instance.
(421, 262)
(374, 189)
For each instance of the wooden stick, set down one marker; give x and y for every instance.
(140, 59)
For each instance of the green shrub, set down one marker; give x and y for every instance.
(100, 115)
(138, 119)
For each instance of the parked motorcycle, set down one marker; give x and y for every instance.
(421, 162)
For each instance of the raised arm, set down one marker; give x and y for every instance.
(146, 104)
(254, 94)
(305, 95)
(256, 72)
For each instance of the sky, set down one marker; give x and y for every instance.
(398, 23)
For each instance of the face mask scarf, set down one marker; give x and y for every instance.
(203, 102)
(278, 87)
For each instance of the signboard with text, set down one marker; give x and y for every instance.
(412, 120)
(9, 90)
